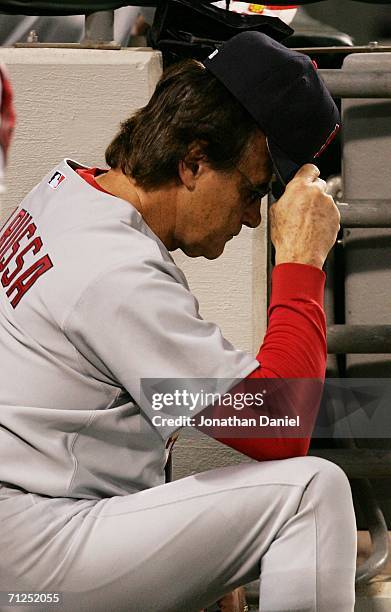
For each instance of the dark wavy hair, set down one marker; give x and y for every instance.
(189, 104)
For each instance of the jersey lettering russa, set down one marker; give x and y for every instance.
(19, 239)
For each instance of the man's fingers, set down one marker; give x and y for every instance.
(308, 172)
(234, 601)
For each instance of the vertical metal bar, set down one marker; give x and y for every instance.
(99, 27)
(169, 469)
(269, 269)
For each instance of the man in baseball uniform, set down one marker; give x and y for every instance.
(92, 303)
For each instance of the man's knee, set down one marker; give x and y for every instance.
(303, 470)
(330, 472)
(330, 483)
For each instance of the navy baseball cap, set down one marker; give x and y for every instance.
(283, 93)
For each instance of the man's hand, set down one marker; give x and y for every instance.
(305, 220)
(233, 602)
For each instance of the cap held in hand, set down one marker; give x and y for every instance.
(284, 94)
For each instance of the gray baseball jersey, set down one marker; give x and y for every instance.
(90, 303)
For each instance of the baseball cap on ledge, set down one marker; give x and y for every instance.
(283, 93)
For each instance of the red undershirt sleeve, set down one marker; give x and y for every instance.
(294, 347)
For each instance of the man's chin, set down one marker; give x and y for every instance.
(209, 252)
(212, 253)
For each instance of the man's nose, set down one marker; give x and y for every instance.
(252, 216)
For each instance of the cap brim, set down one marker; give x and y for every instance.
(284, 167)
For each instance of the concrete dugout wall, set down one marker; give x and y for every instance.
(69, 104)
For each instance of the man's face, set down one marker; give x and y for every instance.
(219, 203)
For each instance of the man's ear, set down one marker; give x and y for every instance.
(193, 164)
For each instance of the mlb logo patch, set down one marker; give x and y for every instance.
(256, 8)
(56, 180)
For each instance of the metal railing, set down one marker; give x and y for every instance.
(361, 464)
(350, 84)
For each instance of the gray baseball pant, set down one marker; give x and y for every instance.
(180, 546)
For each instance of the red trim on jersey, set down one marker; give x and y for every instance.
(89, 174)
(294, 347)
